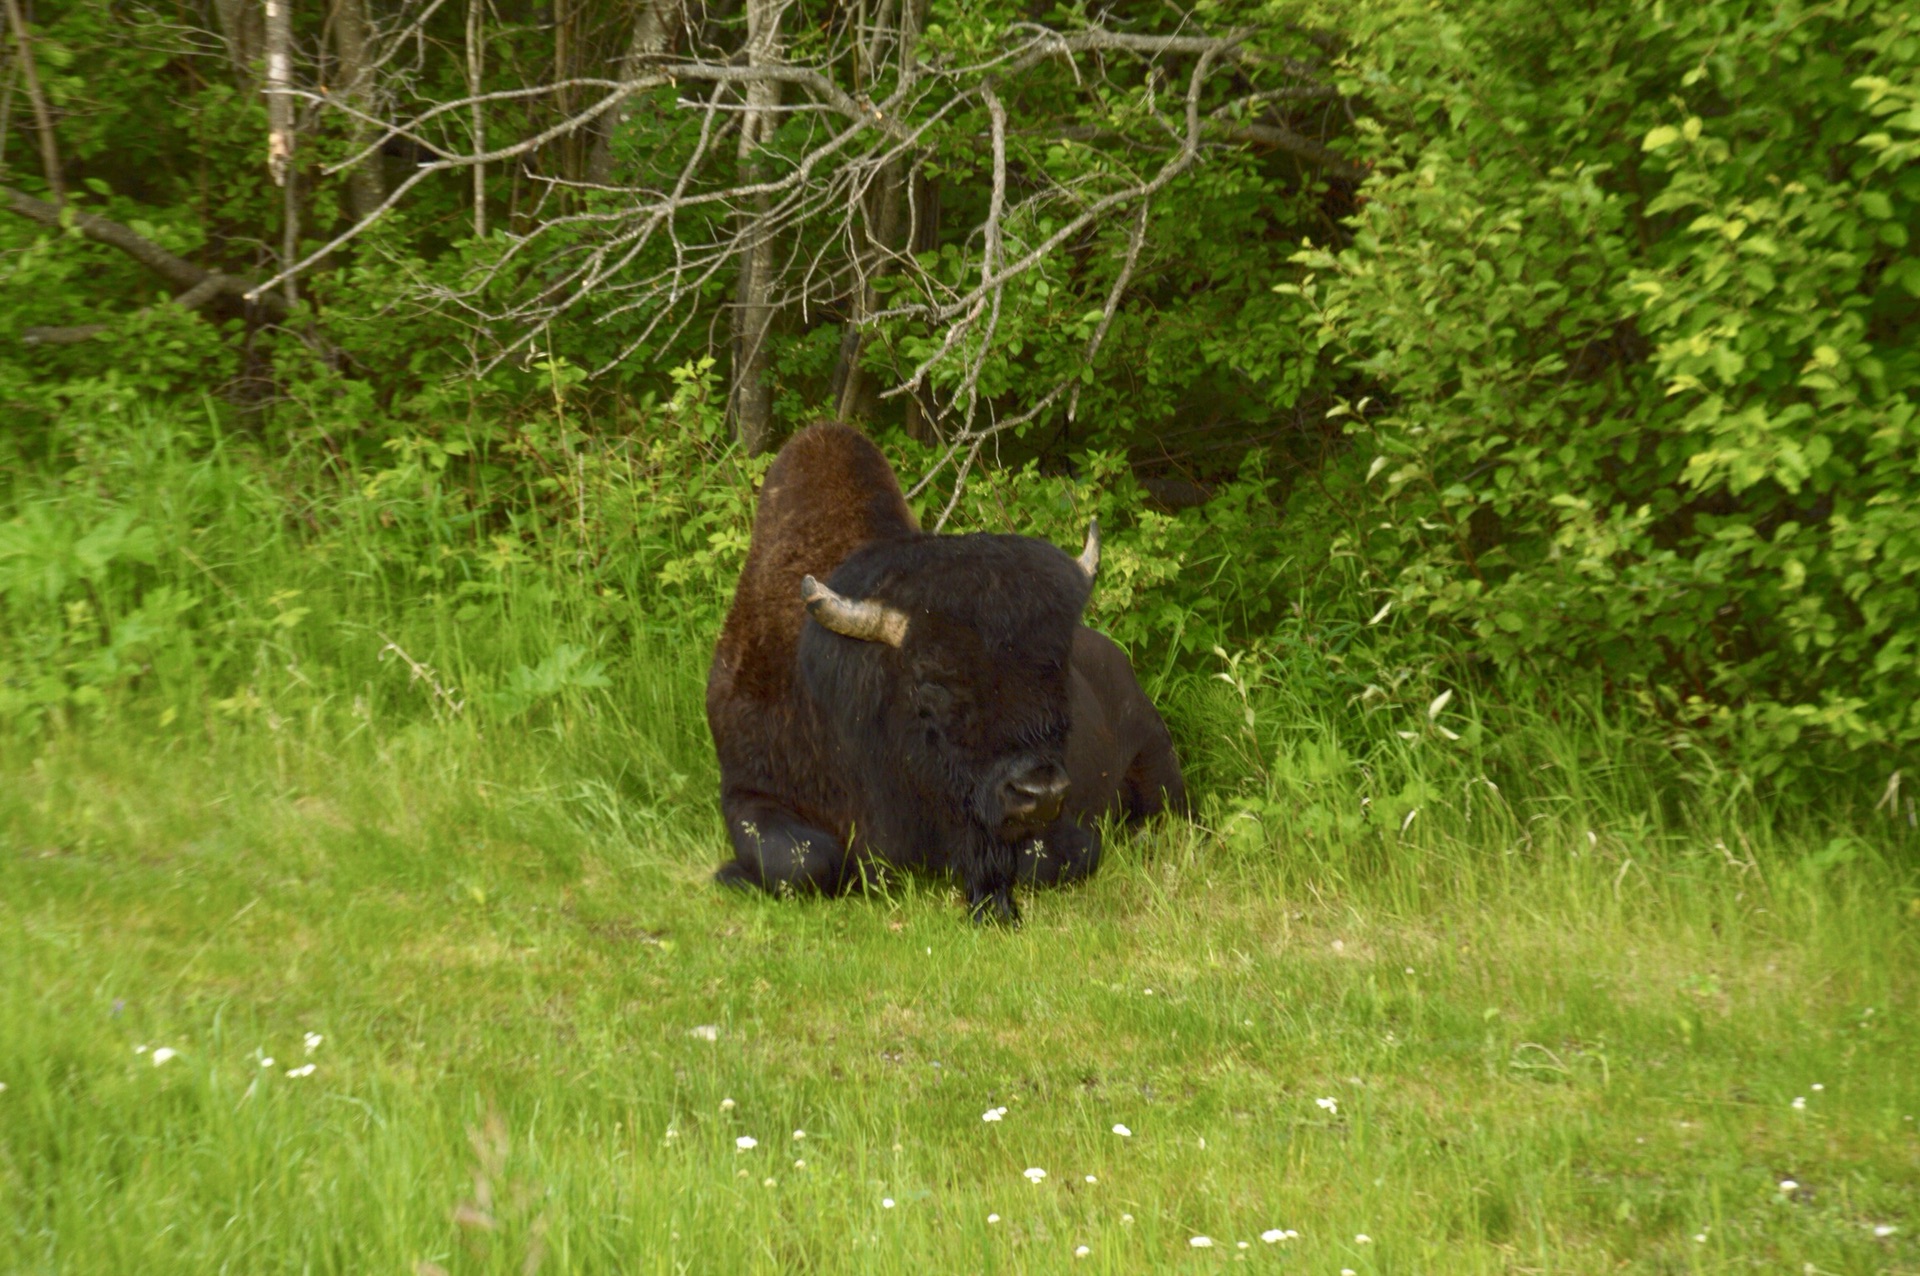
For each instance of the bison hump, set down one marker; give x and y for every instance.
(828, 492)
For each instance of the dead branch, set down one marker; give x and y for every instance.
(199, 288)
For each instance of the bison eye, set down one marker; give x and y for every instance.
(931, 700)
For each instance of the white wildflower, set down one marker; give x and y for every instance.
(1700, 1237)
(704, 1032)
(1884, 1230)
(993, 1114)
(766, 1182)
(312, 1041)
(1200, 1242)
(1035, 1174)
(798, 1135)
(1789, 1186)
(139, 1049)
(799, 1165)
(163, 1054)
(1082, 1252)
(1816, 1087)
(1799, 1103)
(726, 1105)
(1363, 1239)
(1331, 1105)
(1123, 1131)
(266, 1061)
(304, 1070)
(886, 1202)
(746, 1143)
(1126, 1220)
(993, 1218)
(1092, 1179)
(1273, 1236)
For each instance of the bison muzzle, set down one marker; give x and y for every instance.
(883, 699)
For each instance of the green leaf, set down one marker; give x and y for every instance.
(1665, 135)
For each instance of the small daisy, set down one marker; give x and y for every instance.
(993, 1114)
(1082, 1252)
(304, 1070)
(1700, 1238)
(746, 1143)
(704, 1032)
(1034, 1174)
(312, 1041)
(886, 1202)
(1799, 1103)
(1200, 1242)
(726, 1105)
(1126, 1220)
(1789, 1186)
(1363, 1239)
(1092, 1179)
(266, 1061)
(766, 1182)
(798, 1135)
(163, 1054)
(993, 1218)
(1123, 1131)
(1241, 1245)
(1330, 1104)
(1816, 1087)
(1273, 1236)
(799, 1165)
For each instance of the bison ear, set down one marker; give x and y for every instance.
(1089, 559)
(866, 620)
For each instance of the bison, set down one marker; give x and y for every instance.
(935, 705)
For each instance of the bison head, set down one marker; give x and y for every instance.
(940, 664)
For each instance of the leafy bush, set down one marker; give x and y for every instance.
(1636, 286)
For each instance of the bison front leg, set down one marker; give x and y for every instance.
(1066, 852)
(779, 852)
(986, 867)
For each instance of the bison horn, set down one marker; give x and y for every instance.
(866, 620)
(1089, 559)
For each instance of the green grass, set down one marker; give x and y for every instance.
(1548, 1051)
(1562, 991)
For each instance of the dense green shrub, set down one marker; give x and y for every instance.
(1634, 282)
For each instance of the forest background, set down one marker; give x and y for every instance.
(1561, 354)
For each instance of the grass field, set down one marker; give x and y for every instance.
(1529, 1038)
(1520, 997)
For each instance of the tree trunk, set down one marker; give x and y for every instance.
(42, 116)
(279, 31)
(366, 186)
(476, 66)
(889, 229)
(245, 35)
(751, 396)
(656, 23)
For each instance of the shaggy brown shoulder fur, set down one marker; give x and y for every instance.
(829, 492)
